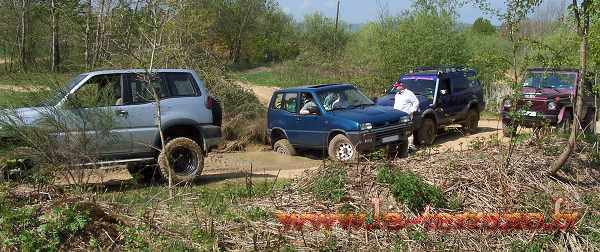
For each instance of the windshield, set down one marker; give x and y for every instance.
(549, 80)
(62, 92)
(419, 86)
(343, 99)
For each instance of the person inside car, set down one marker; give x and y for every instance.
(406, 101)
(309, 105)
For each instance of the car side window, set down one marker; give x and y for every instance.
(99, 91)
(444, 85)
(277, 103)
(460, 84)
(142, 92)
(290, 102)
(181, 84)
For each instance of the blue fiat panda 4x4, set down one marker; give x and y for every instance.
(334, 117)
(446, 96)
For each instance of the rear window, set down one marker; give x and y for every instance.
(181, 84)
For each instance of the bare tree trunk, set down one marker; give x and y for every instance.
(55, 57)
(23, 35)
(582, 20)
(88, 61)
(579, 109)
(99, 31)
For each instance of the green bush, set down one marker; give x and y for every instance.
(24, 228)
(409, 188)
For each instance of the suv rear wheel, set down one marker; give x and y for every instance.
(184, 158)
(427, 133)
(283, 147)
(342, 149)
(471, 122)
(143, 173)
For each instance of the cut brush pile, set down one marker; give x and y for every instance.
(468, 181)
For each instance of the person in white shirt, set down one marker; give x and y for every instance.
(406, 101)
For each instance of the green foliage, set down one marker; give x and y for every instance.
(483, 26)
(409, 188)
(540, 243)
(331, 185)
(320, 39)
(25, 228)
(421, 38)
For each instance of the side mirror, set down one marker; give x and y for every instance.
(444, 92)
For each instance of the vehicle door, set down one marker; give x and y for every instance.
(461, 94)
(445, 100)
(310, 126)
(283, 114)
(142, 109)
(97, 117)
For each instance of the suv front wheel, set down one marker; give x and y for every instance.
(471, 122)
(427, 133)
(183, 158)
(342, 149)
(283, 147)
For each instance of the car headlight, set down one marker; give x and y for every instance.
(507, 103)
(404, 119)
(366, 126)
(552, 105)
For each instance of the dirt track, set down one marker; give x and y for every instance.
(268, 165)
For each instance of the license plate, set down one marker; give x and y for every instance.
(390, 139)
(530, 113)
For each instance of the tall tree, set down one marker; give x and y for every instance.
(55, 47)
(582, 13)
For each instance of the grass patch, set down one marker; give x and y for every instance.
(409, 188)
(331, 185)
(36, 79)
(290, 74)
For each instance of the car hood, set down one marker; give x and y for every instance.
(531, 92)
(371, 114)
(388, 100)
(25, 116)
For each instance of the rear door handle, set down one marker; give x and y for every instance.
(121, 112)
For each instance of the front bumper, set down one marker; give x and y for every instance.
(371, 139)
(531, 121)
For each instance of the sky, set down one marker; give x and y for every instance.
(362, 11)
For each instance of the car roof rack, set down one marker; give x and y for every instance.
(444, 69)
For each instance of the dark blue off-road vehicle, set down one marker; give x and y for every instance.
(337, 118)
(447, 96)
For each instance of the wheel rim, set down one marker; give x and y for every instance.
(183, 161)
(280, 150)
(345, 151)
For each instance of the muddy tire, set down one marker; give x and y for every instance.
(427, 133)
(341, 149)
(471, 123)
(144, 174)
(184, 158)
(283, 147)
(397, 150)
(509, 130)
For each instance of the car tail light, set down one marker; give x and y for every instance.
(210, 102)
